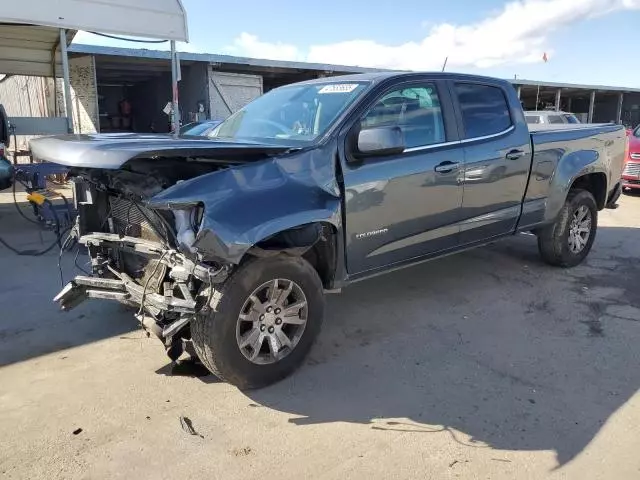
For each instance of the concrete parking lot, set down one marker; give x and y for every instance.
(488, 364)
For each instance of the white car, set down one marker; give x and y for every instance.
(549, 117)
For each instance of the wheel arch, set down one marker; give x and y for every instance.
(582, 169)
(594, 183)
(316, 242)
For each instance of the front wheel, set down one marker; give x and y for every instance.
(261, 322)
(569, 239)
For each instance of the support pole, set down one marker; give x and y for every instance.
(537, 97)
(519, 91)
(175, 116)
(558, 94)
(569, 105)
(592, 104)
(619, 111)
(68, 105)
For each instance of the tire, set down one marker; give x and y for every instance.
(217, 334)
(554, 240)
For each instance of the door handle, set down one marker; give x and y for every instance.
(514, 154)
(446, 167)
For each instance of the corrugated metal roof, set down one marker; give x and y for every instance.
(577, 86)
(28, 49)
(323, 67)
(215, 58)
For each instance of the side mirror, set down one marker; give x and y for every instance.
(380, 141)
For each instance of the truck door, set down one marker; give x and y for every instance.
(497, 159)
(403, 206)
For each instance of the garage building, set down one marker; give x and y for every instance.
(126, 89)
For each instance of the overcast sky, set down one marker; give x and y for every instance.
(586, 41)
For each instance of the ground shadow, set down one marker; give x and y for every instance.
(490, 347)
(632, 192)
(189, 367)
(30, 323)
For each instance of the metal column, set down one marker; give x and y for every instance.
(175, 116)
(558, 94)
(519, 90)
(568, 104)
(68, 105)
(592, 104)
(619, 110)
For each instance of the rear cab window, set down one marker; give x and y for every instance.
(484, 109)
(532, 119)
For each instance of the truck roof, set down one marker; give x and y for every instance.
(380, 76)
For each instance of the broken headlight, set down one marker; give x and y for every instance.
(187, 222)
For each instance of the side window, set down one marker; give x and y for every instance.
(485, 110)
(416, 110)
(532, 120)
(555, 119)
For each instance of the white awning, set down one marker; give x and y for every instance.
(29, 31)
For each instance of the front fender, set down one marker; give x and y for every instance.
(246, 204)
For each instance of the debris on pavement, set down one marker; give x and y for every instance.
(187, 426)
(241, 452)
(77, 431)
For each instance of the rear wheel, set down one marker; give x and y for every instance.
(568, 241)
(261, 322)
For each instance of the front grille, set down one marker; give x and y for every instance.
(133, 219)
(632, 169)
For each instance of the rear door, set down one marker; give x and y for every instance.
(407, 205)
(497, 159)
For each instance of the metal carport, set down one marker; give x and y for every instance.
(34, 34)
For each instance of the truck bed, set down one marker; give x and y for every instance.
(542, 127)
(576, 148)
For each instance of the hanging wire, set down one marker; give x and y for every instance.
(125, 39)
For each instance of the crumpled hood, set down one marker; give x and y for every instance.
(113, 150)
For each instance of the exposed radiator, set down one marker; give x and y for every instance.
(127, 218)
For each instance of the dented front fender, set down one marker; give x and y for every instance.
(246, 204)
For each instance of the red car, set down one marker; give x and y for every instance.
(631, 172)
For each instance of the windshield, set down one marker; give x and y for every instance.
(198, 128)
(299, 113)
(531, 119)
(636, 132)
(193, 129)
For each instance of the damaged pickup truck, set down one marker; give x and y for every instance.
(231, 242)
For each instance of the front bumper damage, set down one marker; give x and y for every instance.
(176, 299)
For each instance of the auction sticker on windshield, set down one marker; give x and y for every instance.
(339, 88)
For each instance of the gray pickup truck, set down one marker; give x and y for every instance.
(229, 243)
